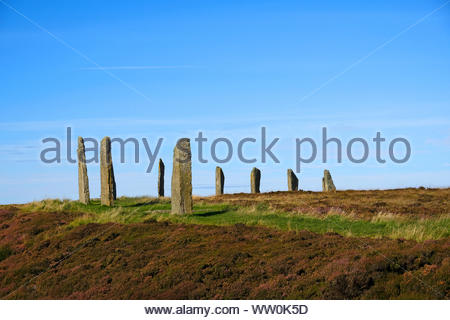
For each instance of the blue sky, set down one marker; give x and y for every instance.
(173, 68)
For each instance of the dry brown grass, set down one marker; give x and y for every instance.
(162, 260)
(366, 204)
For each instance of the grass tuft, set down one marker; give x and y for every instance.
(134, 210)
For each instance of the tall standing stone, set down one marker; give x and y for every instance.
(114, 182)
(220, 181)
(181, 197)
(292, 180)
(327, 182)
(106, 173)
(161, 169)
(255, 179)
(83, 180)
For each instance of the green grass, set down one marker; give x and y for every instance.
(134, 210)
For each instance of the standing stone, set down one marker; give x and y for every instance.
(220, 181)
(255, 179)
(327, 182)
(83, 180)
(114, 182)
(181, 197)
(292, 180)
(161, 169)
(106, 173)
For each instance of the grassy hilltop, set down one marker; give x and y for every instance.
(299, 245)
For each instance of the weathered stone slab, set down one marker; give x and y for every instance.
(181, 188)
(255, 179)
(292, 180)
(114, 182)
(83, 180)
(327, 182)
(108, 184)
(161, 169)
(220, 181)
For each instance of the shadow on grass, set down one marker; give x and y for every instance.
(209, 213)
(140, 204)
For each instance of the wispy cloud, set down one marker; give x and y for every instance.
(371, 53)
(75, 50)
(272, 121)
(101, 68)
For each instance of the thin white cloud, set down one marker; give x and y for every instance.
(272, 122)
(101, 68)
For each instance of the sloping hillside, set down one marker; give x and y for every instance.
(136, 250)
